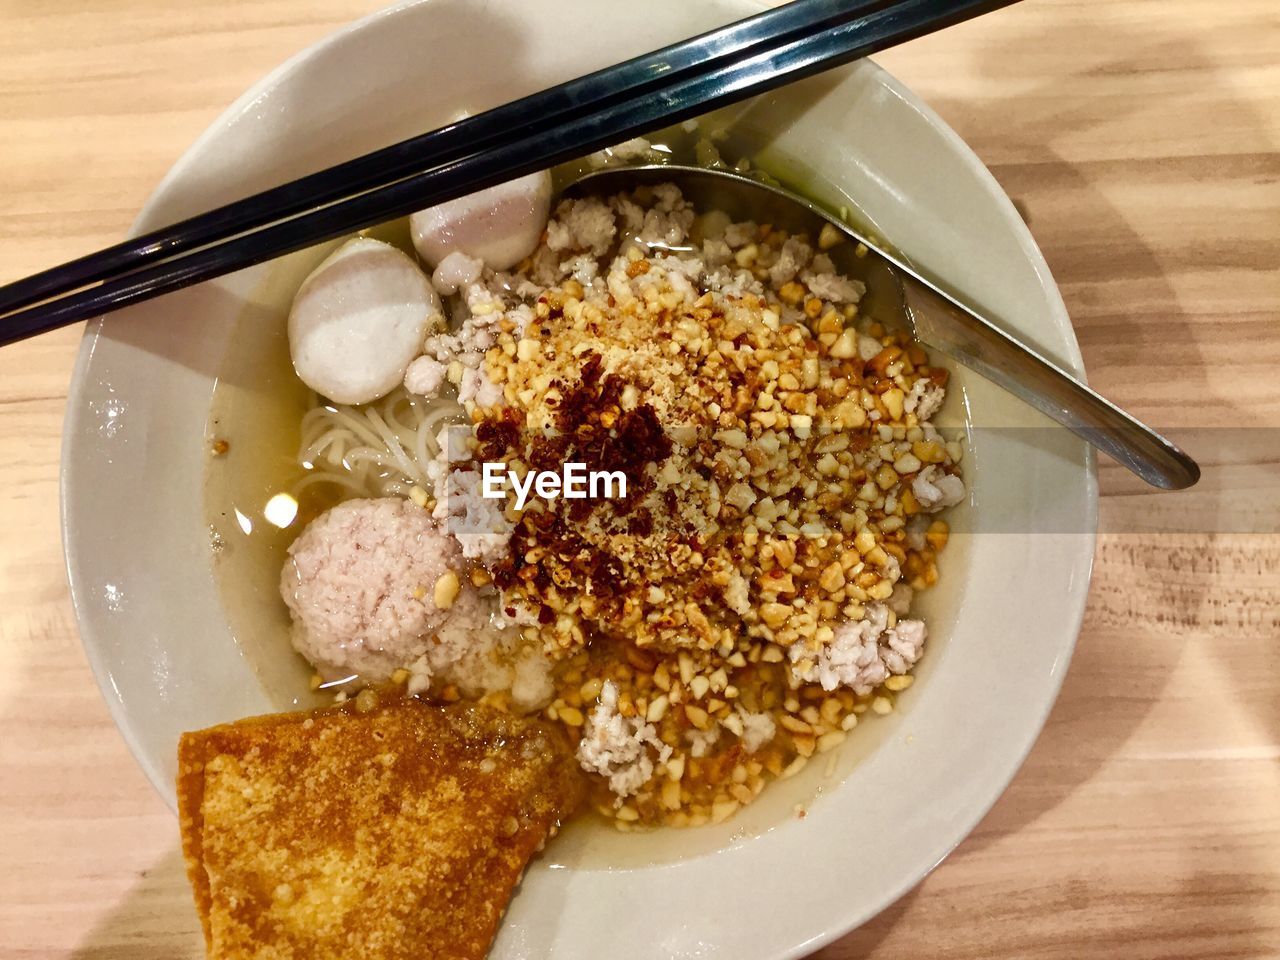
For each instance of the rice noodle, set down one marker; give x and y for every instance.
(378, 450)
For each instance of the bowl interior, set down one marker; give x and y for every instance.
(174, 652)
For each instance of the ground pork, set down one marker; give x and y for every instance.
(668, 222)
(466, 345)
(863, 653)
(635, 150)
(478, 525)
(424, 376)
(740, 234)
(701, 741)
(716, 252)
(757, 729)
(479, 653)
(619, 748)
(582, 225)
(936, 490)
(924, 399)
(737, 593)
(822, 263)
(476, 386)
(455, 272)
(834, 287)
(900, 600)
(792, 258)
(582, 268)
(868, 347)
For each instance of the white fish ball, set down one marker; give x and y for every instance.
(358, 321)
(500, 225)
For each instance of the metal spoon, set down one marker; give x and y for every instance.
(897, 293)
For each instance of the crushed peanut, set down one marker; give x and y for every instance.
(446, 590)
(780, 508)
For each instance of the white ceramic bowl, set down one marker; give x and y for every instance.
(905, 789)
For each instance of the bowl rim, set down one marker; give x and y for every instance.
(76, 413)
(76, 408)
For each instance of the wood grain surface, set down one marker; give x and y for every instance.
(1139, 138)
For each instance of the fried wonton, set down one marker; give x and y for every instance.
(399, 832)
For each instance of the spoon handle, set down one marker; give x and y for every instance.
(952, 328)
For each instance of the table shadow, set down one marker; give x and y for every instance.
(155, 920)
(1110, 688)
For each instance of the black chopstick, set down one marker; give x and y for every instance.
(451, 142)
(694, 92)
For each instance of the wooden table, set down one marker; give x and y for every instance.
(1139, 137)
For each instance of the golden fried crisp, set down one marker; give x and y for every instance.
(399, 832)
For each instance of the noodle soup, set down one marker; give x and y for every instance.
(742, 610)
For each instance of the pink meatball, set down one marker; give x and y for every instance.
(360, 583)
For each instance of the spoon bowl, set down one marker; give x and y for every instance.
(900, 296)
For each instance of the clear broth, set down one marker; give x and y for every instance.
(257, 408)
